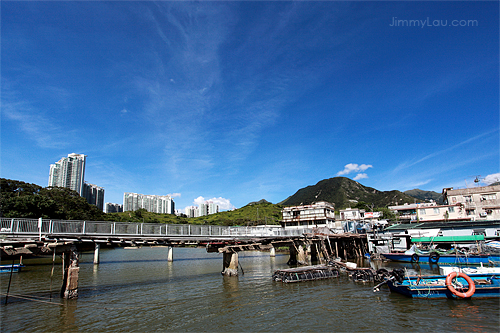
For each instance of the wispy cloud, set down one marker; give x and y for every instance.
(408, 164)
(35, 124)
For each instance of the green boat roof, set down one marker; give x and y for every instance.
(451, 239)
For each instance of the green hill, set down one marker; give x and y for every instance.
(424, 196)
(261, 212)
(344, 192)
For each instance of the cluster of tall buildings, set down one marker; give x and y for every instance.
(69, 172)
(203, 209)
(163, 204)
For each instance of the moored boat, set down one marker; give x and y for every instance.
(9, 268)
(444, 259)
(455, 285)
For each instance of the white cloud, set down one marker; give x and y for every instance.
(353, 167)
(493, 178)
(175, 195)
(360, 176)
(224, 204)
(199, 200)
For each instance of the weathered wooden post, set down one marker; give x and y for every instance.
(301, 256)
(96, 253)
(272, 252)
(230, 263)
(293, 255)
(170, 256)
(70, 273)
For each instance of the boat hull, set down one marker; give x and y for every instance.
(445, 259)
(487, 286)
(9, 268)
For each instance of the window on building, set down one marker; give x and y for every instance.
(436, 210)
(470, 212)
(422, 211)
(451, 209)
(468, 198)
(489, 196)
(296, 213)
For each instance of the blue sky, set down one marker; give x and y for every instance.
(242, 101)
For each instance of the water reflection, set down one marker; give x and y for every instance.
(144, 292)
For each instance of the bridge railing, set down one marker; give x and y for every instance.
(103, 228)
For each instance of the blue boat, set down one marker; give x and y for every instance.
(443, 259)
(9, 268)
(456, 285)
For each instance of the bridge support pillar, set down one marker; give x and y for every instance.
(293, 255)
(170, 256)
(272, 252)
(230, 264)
(70, 273)
(315, 256)
(96, 253)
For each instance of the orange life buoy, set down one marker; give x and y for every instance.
(472, 286)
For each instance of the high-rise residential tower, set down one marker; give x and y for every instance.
(69, 172)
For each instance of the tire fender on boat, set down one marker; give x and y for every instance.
(472, 286)
(434, 257)
(414, 257)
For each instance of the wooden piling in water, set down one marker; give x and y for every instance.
(230, 264)
(69, 287)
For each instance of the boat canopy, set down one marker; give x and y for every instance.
(448, 239)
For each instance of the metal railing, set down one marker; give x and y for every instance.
(47, 227)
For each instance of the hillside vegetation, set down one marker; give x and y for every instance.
(251, 214)
(425, 196)
(344, 192)
(24, 200)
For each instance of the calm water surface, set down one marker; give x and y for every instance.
(134, 290)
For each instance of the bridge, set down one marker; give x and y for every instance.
(34, 237)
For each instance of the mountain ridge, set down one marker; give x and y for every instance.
(345, 192)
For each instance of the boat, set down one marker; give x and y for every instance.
(450, 257)
(443, 259)
(9, 268)
(455, 285)
(445, 270)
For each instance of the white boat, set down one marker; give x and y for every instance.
(445, 270)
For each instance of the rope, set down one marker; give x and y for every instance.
(28, 298)
(32, 299)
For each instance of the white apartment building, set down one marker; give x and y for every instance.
(69, 172)
(191, 211)
(318, 214)
(356, 214)
(207, 208)
(429, 212)
(479, 203)
(163, 204)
